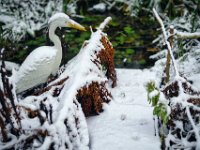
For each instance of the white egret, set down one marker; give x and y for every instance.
(45, 60)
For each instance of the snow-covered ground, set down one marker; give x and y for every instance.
(127, 122)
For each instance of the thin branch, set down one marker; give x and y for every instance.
(166, 42)
(50, 86)
(3, 130)
(168, 62)
(186, 35)
(196, 130)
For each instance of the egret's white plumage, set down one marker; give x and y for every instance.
(44, 60)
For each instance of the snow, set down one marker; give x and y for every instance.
(10, 65)
(127, 122)
(101, 7)
(35, 15)
(78, 68)
(106, 21)
(187, 35)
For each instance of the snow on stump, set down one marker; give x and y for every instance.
(53, 117)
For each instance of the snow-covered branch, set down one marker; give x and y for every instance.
(196, 130)
(166, 41)
(186, 35)
(103, 24)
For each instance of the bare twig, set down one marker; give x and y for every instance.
(166, 41)
(167, 69)
(3, 130)
(50, 86)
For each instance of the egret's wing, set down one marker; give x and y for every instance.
(35, 69)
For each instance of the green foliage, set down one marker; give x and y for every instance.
(128, 30)
(121, 55)
(125, 38)
(142, 62)
(161, 111)
(39, 41)
(150, 87)
(194, 19)
(159, 108)
(121, 39)
(130, 51)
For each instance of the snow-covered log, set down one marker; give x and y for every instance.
(52, 117)
(10, 65)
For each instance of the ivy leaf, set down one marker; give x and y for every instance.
(156, 110)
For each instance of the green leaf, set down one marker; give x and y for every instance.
(128, 30)
(129, 51)
(121, 39)
(165, 119)
(156, 110)
(155, 99)
(114, 23)
(142, 62)
(150, 86)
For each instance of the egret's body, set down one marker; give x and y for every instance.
(45, 60)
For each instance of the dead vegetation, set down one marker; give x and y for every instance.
(184, 102)
(92, 98)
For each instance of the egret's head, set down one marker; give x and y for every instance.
(63, 20)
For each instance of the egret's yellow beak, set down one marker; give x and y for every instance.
(75, 25)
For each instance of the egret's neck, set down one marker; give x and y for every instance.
(53, 37)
